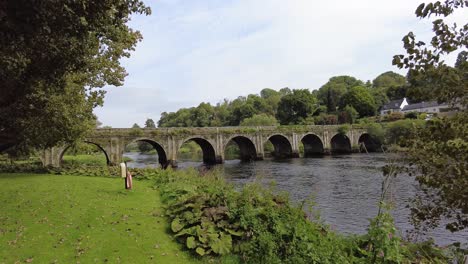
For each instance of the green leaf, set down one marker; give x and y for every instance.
(234, 232)
(200, 251)
(176, 226)
(191, 243)
(223, 245)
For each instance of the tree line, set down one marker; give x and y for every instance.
(343, 99)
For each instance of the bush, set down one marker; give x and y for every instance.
(411, 115)
(393, 116)
(344, 129)
(209, 216)
(348, 115)
(326, 119)
(401, 132)
(260, 120)
(376, 132)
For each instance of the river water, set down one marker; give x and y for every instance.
(345, 188)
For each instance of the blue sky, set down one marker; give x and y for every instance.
(197, 51)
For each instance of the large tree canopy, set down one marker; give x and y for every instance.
(389, 79)
(361, 99)
(53, 56)
(295, 107)
(330, 93)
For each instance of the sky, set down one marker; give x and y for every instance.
(197, 51)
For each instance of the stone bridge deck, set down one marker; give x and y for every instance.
(317, 140)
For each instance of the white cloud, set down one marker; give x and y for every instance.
(196, 51)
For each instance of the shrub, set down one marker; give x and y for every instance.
(348, 115)
(393, 116)
(401, 132)
(260, 120)
(343, 129)
(376, 132)
(326, 119)
(209, 216)
(411, 115)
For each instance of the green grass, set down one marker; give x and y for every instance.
(76, 219)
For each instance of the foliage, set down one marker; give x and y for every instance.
(438, 154)
(330, 93)
(402, 132)
(393, 116)
(392, 84)
(260, 120)
(389, 79)
(380, 97)
(411, 115)
(94, 159)
(326, 119)
(445, 194)
(361, 99)
(344, 129)
(348, 115)
(209, 216)
(149, 123)
(383, 243)
(376, 132)
(53, 56)
(295, 107)
(429, 76)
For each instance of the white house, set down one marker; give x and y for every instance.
(427, 107)
(394, 106)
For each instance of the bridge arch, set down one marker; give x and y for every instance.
(208, 151)
(340, 143)
(248, 151)
(371, 144)
(282, 146)
(62, 152)
(313, 145)
(162, 154)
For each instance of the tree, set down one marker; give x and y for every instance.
(438, 153)
(348, 115)
(392, 84)
(260, 120)
(380, 97)
(360, 99)
(330, 93)
(267, 93)
(149, 123)
(389, 79)
(53, 54)
(294, 108)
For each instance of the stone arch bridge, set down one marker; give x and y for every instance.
(317, 140)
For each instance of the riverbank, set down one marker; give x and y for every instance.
(92, 219)
(72, 219)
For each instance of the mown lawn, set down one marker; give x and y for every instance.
(76, 219)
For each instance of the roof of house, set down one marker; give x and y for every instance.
(395, 104)
(421, 105)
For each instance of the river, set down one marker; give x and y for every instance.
(345, 188)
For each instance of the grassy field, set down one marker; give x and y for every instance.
(76, 219)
